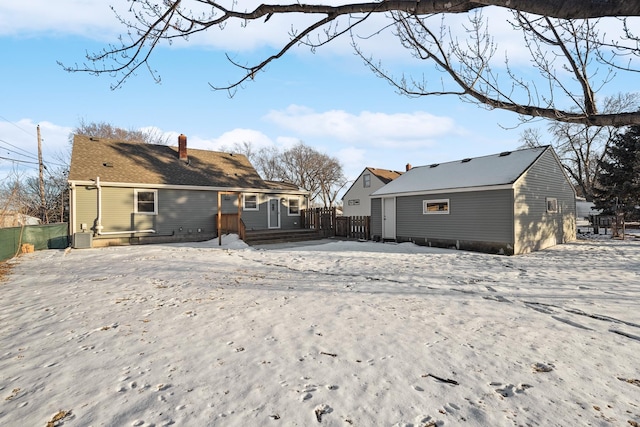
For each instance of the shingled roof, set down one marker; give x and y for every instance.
(139, 163)
(385, 175)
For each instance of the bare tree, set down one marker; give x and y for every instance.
(20, 195)
(302, 165)
(267, 162)
(109, 131)
(564, 27)
(582, 148)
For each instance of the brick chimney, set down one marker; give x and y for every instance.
(408, 167)
(182, 147)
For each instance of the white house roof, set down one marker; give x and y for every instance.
(497, 169)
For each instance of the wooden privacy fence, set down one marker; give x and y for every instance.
(329, 224)
(229, 223)
(321, 219)
(355, 227)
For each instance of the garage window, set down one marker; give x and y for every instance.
(436, 206)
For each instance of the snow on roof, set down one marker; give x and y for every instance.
(496, 169)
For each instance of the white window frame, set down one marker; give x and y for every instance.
(353, 202)
(552, 205)
(426, 203)
(366, 180)
(136, 191)
(244, 202)
(297, 201)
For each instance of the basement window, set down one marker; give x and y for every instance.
(294, 207)
(145, 202)
(437, 207)
(552, 205)
(250, 202)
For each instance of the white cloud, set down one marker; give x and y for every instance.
(228, 139)
(84, 17)
(352, 160)
(371, 129)
(97, 21)
(286, 142)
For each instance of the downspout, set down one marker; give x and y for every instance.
(99, 219)
(99, 226)
(72, 209)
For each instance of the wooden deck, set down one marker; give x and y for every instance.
(261, 237)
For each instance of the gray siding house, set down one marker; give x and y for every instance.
(129, 192)
(509, 203)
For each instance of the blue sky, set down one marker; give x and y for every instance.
(329, 100)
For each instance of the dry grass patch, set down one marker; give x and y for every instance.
(5, 268)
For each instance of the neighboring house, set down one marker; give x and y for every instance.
(130, 192)
(584, 209)
(356, 201)
(510, 203)
(10, 218)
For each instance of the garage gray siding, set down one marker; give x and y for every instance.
(535, 227)
(474, 216)
(376, 218)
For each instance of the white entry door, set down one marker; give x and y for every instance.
(274, 213)
(389, 218)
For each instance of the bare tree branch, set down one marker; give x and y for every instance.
(544, 23)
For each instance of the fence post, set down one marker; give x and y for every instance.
(333, 220)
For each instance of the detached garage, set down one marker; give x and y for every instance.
(510, 203)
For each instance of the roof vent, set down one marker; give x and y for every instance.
(505, 153)
(435, 165)
(93, 138)
(467, 160)
(107, 165)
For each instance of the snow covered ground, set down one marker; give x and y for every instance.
(337, 333)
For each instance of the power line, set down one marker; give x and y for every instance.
(10, 122)
(18, 148)
(18, 161)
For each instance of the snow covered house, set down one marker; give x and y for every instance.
(131, 192)
(357, 200)
(510, 203)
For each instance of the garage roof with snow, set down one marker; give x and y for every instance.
(467, 174)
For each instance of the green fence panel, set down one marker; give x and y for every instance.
(50, 236)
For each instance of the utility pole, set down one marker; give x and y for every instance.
(43, 202)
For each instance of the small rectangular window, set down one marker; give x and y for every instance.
(294, 207)
(366, 180)
(354, 202)
(146, 202)
(439, 206)
(250, 202)
(552, 205)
